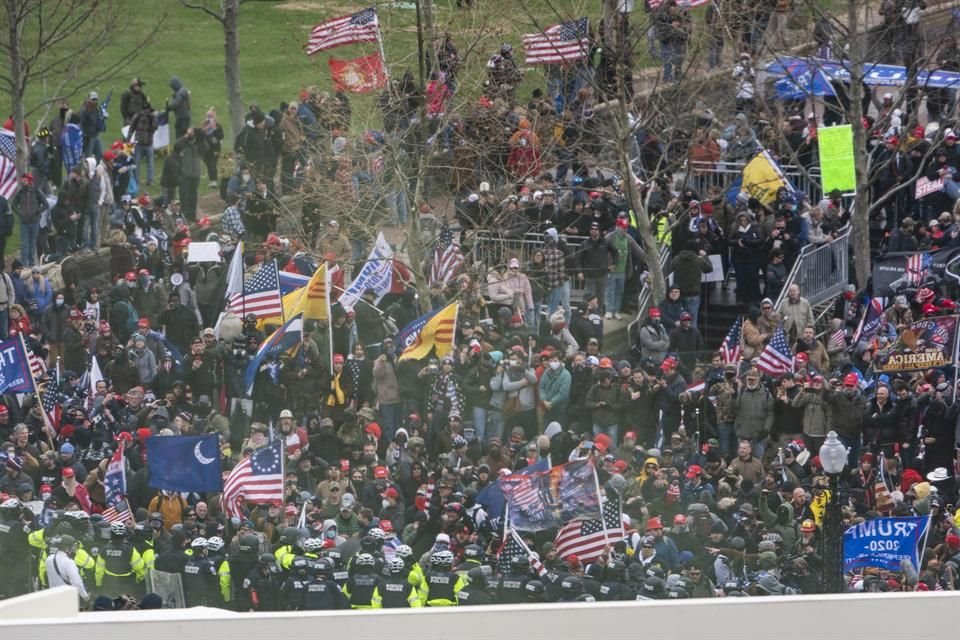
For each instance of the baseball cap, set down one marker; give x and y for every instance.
(68, 472)
(693, 471)
(391, 493)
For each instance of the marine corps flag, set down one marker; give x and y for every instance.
(360, 75)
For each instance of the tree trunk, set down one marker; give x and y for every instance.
(624, 134)
(17, 86)
(231, 66)
(860, 216)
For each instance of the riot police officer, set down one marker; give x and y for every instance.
(363, 582)
(510, 587)
(119, 566)
(294, 587)
(262, 585)
(199, 576)
(477, 592)
(440, 582)
(394, 591)
(322, 593)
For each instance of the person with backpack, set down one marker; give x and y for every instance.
(123, 317)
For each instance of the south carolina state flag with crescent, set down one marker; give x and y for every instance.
(185, 463)
(360, 75)
(437, 334)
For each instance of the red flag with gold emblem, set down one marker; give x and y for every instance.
(360, 75)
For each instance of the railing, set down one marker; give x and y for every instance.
(643, 299)
(491, 248)
(821, 271)
(721, 174)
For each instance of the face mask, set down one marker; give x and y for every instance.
(131, 284)
(385, 503)
(554, 365)
(59, 302)
(245, 177)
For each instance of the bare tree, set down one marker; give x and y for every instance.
(227, 16)
(53, 39)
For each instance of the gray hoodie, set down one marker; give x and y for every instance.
(180, 102)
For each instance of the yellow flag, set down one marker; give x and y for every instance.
(310, 299)
(437, 335)
(762, 177)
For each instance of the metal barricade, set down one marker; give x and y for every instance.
(722, 174)
(491, 249)
(821, 271)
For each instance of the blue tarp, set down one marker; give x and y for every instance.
(799, 78)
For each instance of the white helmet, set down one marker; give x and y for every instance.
(215, 543)
(377, 533)
(198, 543)
(312, 544)
(118, 529)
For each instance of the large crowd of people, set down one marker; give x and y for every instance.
(712, 465)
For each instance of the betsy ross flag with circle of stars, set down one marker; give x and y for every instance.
(256, 480)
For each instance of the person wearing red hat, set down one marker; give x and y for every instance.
(846, 416)
(653, 341)
(665, 548)
(74, 348)
(391, 509)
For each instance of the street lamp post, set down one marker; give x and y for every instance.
(833, 457)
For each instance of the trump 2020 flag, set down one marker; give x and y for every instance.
(185, 463)
(884, 543)
(376, 274)
(14, 367)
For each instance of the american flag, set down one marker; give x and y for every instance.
(564, 42)
(447, 258)
(115, 488)
(777, 358)
(261, 294)
(8, 167)
(119, 512)
(917, 267)
(37, 364)
(523, 493)
(50, 399)
(514, 546)
(257, 479)
(731, 348)
(587, 539)
(361, 26)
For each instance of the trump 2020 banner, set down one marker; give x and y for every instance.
(884, 543)
(925, 344)
(14, 367)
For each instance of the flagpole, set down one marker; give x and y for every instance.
(383, 56)
(327, 284)
(283, 312)
(603, 523)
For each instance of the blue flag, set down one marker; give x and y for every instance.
(15, 368)
(493, 500)
(281, 340)
(185, 463)
(884, 543)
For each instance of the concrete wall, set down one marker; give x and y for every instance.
(928, 615)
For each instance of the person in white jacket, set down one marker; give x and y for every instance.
(62, 570)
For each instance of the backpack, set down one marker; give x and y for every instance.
(132, 316)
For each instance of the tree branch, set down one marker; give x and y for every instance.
(199, 7)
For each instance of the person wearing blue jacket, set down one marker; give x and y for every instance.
(39, 293)
(71, 143)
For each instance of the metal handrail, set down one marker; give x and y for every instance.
(821, 271)
(643, 298)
